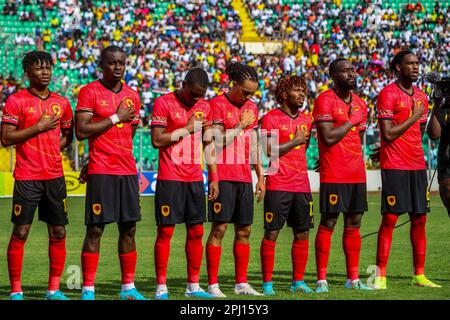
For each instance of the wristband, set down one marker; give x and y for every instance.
(214, 176)
(115, 119)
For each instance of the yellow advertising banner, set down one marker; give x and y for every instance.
(72, 184)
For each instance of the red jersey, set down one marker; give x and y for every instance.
(405, 152)
(233, 162)
(38, 158)
(290, 172)
(110, 152)
(342, 162)
(182, 160)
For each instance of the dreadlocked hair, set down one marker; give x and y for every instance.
(35, 56)
(286, 83)
(240, 72)
(398, 58)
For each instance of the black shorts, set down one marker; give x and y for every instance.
(180, 202)
(295, 207)
(343, 197)
(404, 191)
(234, 203)
(50, 196)
(443, 173)
(112, 198)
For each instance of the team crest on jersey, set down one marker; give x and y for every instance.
(217, 207)
(391, 200)
(269, 217)
(333, 199)
(128, 102)
(199, 115)
(17, 209)
(165, 210)
(97, 208)
(56, 108)
(304, 129)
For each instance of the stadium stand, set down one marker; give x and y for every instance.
(165, 38)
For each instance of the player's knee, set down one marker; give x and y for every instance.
(59, 233)
(243, 234)
(301, 235)
(21, 233)
(418, 220)
(329, 223)
(165, 232)
(219, 231)
(195, 231)
(271, 235)
(94, 234)
(389, 220)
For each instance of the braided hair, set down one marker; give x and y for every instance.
(240, 72)
(35, 56)
(398, 59)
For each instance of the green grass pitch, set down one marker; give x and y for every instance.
(35, 271)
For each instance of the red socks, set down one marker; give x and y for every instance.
(267, 253)
(57, 256)
(162, 251)
(241, 253)
(351, 241)
(299, 254)
(384, 241)
(128, 266)
(419, 242)
(213, 254)
(194, 251)
(15, 258)
(322, 244)
(89, 263)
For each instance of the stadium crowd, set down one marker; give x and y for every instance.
(165, 39)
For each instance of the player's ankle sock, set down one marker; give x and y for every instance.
(194, 252)
(57, 255)
(213, 254)
(322, 246)
(384, 241)
(241, 253)
(89, 262)
(162, 251)
(161, 288)
(127, 286)
(299, 254)
(88, 288)
(323, 281)
(192, 287)
(15, 259)
(351, 241)
(419, 242)
(267, 253)
(128, 267)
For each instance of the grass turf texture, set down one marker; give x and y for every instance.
(35, 271)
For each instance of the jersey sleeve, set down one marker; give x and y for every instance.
(217, 113)
(67, 116)
(254, 125)
(86, 101)
(385, 105)
(323, 109)
(209, 116)
(160, 114)
(11, 112)
(267, 125)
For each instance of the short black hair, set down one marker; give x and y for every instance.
(197, 76)
(109, 49)
(240, 72)
(333, 65)
(398, 58)
(32, 57)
